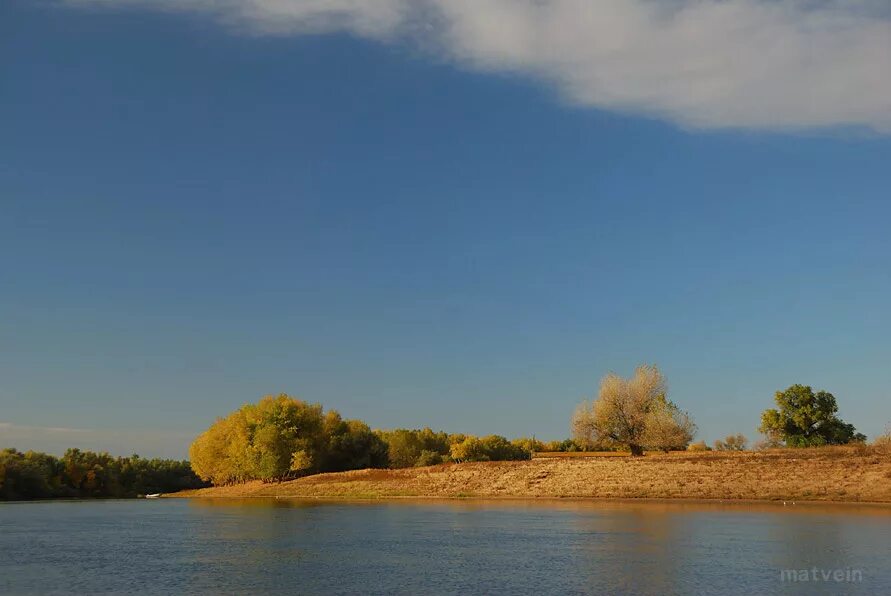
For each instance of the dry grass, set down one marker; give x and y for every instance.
(854, 474)
(570, 454)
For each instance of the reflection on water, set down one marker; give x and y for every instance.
(431, 546)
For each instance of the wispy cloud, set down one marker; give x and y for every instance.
(756, 64)
(56, 439)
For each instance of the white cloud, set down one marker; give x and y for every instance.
(758, 64)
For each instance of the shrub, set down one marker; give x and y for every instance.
(403, 447)
(428, 458)
(406, 447)
(570, 446)
(500, 449)
(882, 443)
(767, 442)
(490, 448)
(470, 449)
(700, 446)
(351, 445)
(532, 445)
(737, 442)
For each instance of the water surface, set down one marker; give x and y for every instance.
(422, 547)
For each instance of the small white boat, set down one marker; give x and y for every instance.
(153, 496)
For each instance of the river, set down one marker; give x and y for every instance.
(260, 546)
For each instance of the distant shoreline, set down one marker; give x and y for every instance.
(838, 475)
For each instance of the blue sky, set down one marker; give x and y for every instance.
(420, 229)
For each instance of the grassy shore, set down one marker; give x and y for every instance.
(852, 474)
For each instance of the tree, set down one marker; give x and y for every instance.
(351, 445)
(34, 475)
(737, 442)
(277, 438)
(498, 448)
(404, 447)
(222, 453)
(807, 419)
(633, 413)
(410, 448)
(667, 427)
(529, 444)
(429, 458)
(470, 449)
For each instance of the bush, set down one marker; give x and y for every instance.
(429, 458)
(570, 446)
(351, 445)
(700, 446)
(737, 442)
(882, 443)
(409, 448)
(531, 445)
(470, 449)
(490, 448)
(767, 442)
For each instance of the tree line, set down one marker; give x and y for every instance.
(85, 474)
(281, 437)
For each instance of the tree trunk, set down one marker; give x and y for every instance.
(636, 450)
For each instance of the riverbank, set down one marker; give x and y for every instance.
(825, 474)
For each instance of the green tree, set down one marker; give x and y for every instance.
(288, 437)
(351, 445)
(529, 444)
(403, 447)
(429, 458)
(490, 448)
(34, 475)
(470, 449)
(807, 419)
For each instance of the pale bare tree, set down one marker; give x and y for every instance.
(633, 413)
(668, 427)
(737, 442)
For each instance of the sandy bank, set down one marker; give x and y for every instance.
(826, 474)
